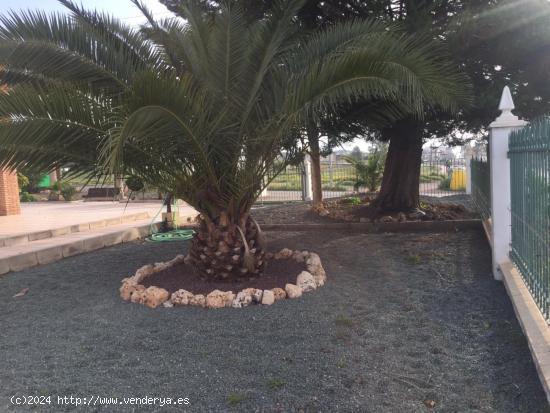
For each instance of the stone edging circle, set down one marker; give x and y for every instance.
(132, 289)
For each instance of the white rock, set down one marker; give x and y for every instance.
(181, 297)
(219, 299)
(243, 299)
(143, 273)
(268, 297)
(167, 304)
(160, 266)
(255, 293)
(293, 291)
(285, 253)
(279, 293)
(198, 300)
(306, 281)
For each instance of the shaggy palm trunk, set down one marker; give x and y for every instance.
(401, 180)
(314, 152)
(219, 251)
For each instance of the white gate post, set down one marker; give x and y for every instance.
(501, 221)
(308, 186)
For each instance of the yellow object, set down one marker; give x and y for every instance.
(458, 180)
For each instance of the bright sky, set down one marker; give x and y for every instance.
(123, 9)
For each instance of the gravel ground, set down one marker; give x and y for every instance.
(403, 319)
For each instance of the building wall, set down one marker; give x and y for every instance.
(9, 193)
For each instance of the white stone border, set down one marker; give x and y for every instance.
(315, 276)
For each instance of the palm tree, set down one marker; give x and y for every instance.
(201, 108)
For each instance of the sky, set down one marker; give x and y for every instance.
(123, 9)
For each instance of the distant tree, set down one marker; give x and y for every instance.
(356, 153)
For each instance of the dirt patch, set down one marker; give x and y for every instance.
(427, 212)
(181, 276)
(357, 209)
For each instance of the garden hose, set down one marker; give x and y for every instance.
(174, 235)
(168, 236)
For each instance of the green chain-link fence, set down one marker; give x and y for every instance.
(530, 208)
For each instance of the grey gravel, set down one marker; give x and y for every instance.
(403, 318)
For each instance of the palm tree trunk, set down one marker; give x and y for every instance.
(314, 152)
(219, 251)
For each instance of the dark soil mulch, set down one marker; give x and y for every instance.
(428, 212)
(341, 210)
(277, 274)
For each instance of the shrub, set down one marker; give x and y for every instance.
(24, 196)
(445, 183)
(352, 200)
(65, 189)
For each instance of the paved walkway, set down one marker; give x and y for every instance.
(41, 216)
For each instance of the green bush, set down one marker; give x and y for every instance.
(445, 183)
(65, 189)
(369, 173)
(352, 200)
(24, 196)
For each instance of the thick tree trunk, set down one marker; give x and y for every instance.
(400, 183)
(219, 251)
(316, 182)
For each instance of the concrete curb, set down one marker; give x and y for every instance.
(73, 244)
(410, 226)
(57, 232)
(532, 322)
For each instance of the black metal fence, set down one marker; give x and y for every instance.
(439, 177)
(481, 186)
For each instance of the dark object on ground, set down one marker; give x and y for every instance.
(181, 276)
(103, 192)
(402, 318)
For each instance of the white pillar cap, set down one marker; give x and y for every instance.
(506, 119)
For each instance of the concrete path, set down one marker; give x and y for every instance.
(40, 216)
(47, 232)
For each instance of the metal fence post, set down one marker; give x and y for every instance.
(501, 221)
(307, 194)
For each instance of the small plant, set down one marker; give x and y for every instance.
(414, 259)
(235, 398)
(369, 173)
(343, 321)
(352, 200)
(341, 363)
(65, 189)
(445, 183)
(26, 197)
(276, 383)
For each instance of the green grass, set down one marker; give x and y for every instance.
(234, 399)
(343, 321)
(414, 259)
(276, 383)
